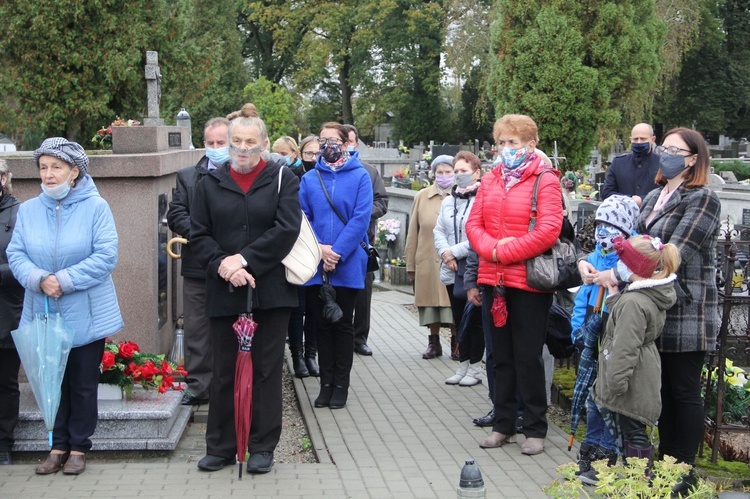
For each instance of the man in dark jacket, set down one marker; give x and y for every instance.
(198, 356)
(379, 208)
(633, 174)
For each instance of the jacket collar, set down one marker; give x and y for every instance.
(651, 283)
(269, 174)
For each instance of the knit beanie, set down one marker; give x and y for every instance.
(620, 212)
(637, 262)
(443, 159)
(61, 148)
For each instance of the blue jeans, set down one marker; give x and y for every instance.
(597, 432)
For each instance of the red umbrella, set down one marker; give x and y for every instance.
(245, 328)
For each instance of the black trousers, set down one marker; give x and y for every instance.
(335, 341)
(10, 396)
(268, 357)
(79, 408)
(681, 420)
(471, 341)
(302, 324)
(198, 352)
(517, 353)
(362, 311)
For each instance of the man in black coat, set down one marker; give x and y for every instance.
(198, 358)
(633, 174)
(379, 208)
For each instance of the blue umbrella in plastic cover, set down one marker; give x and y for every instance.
(43, 346)
(587, 336)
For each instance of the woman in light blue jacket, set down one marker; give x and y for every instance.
(64, 247)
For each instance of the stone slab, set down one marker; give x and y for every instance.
(144, 421)
(147, 139)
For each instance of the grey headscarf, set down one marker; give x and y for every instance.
(61, 148)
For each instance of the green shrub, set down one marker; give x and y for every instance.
(740, 168)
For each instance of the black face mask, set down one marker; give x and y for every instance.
(308, 165)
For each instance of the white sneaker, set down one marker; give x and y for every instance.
(473, 375)
(463, 367)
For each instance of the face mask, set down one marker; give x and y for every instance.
(350, 148)
(331, 152)
(309, 165)
(464, 180)
(445, 181)
(640, 148)
(59, 191)
(513, 158)
(218, 156)
(671, 165)
(623, 271)
(605, 235)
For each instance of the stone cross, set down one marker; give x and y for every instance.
(153, 87)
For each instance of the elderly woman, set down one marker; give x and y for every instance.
(245, 220)
(11, 304)
(422, 262)
(498, 229)
(63, 250)
(453, 247)
(337, 199)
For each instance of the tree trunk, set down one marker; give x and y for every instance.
(346, 90)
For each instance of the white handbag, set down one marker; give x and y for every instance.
(302, 261)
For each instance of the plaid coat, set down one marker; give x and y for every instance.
(690, 221)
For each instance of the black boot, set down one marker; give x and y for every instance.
(687, 482)
(298, 362)
(324, 398)
(585, 455)
(312, 364)
(338, 400)
(591, 477)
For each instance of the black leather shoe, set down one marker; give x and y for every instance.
(486, 420)
(190, 399)
(260, 462)
(338, 399)
(312, 366)
(214, 463)
(5, 458)
(362, 349)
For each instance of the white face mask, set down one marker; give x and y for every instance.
(58, 192)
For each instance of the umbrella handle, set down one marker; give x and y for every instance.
(599, 300)
(249, 299)
(570, 441)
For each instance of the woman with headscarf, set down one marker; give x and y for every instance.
(11, 304)
(337, 199)
(64, 249)
(422, 262)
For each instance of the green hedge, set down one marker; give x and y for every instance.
(741, 169)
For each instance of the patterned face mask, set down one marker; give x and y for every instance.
(605, 235)
(513, 158)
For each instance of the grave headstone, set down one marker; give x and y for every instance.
(153, 88)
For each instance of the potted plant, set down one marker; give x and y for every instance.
(124, 366)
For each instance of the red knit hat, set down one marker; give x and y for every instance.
(637, 262)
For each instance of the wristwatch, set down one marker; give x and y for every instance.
(244, 262)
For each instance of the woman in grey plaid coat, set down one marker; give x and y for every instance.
(685, 213)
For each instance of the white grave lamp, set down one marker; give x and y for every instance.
(183, 119)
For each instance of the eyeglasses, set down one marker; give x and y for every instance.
(310, 154)
(671, 150)
(330, 142)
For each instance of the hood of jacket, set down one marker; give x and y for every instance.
(660, 291)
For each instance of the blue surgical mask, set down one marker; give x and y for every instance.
(293, 163)
(623, 271)
(218, 156)
(59, 191)
(605, 235)
(350, 148)
(513, 158)
(640, 148)
(671, 165)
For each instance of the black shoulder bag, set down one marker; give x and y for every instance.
(373, 257)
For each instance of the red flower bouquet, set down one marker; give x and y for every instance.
(123, 364)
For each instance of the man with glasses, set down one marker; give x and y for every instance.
(633, 174)
(379, 208)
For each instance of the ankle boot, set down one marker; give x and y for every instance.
(454, 348)
(460, 373)
(312, 364)
(324, 397)
(298, 362)
(585, 456)
(473, 375)
(591, 477)
(338, 400)
(434, 349)
(687, 482)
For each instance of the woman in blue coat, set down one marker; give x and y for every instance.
(64, 248)
(341, 176)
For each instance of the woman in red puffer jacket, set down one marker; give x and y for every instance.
(498, 230)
